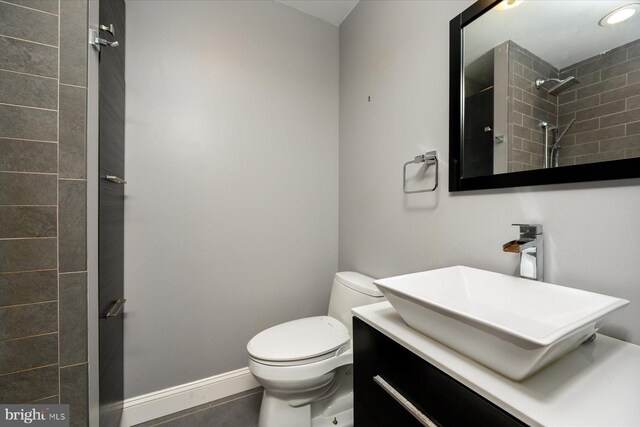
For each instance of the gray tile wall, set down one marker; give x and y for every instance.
(528, 107)
(43, 280)
(606, 106)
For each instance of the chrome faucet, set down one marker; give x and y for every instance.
(530, 246)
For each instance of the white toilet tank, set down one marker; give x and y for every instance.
(351, 289)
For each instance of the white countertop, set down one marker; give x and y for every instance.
(596, 385)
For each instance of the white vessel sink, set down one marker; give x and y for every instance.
(514, 326)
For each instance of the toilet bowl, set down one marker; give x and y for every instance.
(305, 365)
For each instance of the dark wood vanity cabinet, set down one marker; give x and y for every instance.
(445, 401)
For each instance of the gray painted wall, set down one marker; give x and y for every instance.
(397, 53)
(232, 169)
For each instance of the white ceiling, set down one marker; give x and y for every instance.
(562, 32)
(331, 11)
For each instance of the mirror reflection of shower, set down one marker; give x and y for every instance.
(554, 87)
(545, 63)
(552, 154)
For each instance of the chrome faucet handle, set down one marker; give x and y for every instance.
(529, 231)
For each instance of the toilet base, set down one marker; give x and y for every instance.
(276, 412)
(332, 412)
(343, 419)
(339, 412)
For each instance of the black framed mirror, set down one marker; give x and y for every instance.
(544, 93)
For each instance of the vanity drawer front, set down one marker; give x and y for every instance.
(388, 416)
(442, 399)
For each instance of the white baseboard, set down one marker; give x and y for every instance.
(174, 399)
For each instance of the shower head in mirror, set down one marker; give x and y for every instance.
(559, 86)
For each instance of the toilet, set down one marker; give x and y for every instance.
(305, 365)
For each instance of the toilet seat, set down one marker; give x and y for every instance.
(315, 359)
(299, 342)
(300, 373)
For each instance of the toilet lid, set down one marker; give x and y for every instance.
(299, 339)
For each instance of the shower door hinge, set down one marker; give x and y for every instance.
(97, 42)
(110, 29)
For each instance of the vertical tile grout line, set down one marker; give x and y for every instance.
(58, 203)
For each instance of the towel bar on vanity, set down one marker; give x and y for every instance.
(429, 158)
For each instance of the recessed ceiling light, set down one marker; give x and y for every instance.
(621, 14)
(508, 4)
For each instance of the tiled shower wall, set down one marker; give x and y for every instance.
(529, 107)
(606, 106)
(43, 279)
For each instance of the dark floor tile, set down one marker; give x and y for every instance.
(240, 410)
(72, 226)
(28, 123)
(30, 287)
(73, 318)
(73, 391)
(26, 353)
(186, 412)
(28, 221)
(31, 58)
(28, 320)
(27, 255)
(27, 24)
(73, 44)
(27, 189)
(32, 91)
(50, 6)
(72, 132)
(28, 386)
(28, 156)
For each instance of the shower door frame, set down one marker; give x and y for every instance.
(94, 179)
(93, 161)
